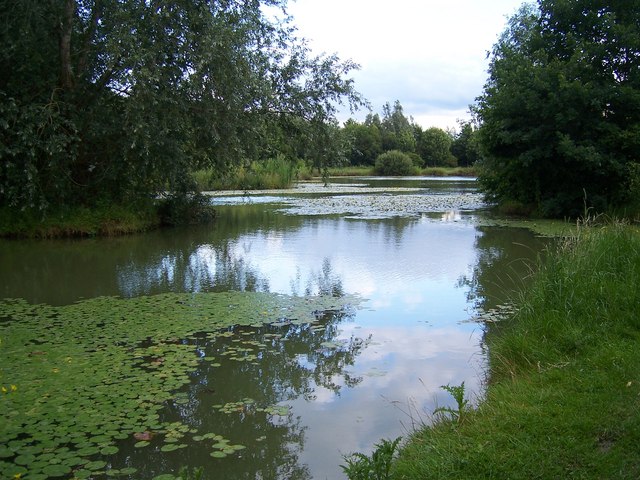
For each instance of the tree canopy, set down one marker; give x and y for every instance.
(433, 147)
(560, 112)
(103, 100)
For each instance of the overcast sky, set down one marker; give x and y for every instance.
(429, 54)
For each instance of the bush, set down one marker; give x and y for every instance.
(185, 209)
(394, 163)
(416, 159)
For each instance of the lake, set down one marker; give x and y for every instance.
(417, 260)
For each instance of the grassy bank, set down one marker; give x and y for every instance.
(364, 171)
(563, 398)
(449, 172)
(108, 220)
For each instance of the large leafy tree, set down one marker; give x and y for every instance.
(560, 112)
(365, 142)
(434, 146)
(115, 101)
(465, 147)
(397, 129)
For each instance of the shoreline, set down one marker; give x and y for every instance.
(564, 391)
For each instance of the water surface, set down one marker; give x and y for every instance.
(342, 384)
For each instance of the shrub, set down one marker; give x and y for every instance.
(416, 159)
(394, 163)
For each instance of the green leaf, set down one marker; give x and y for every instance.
(109, 450)
(95, 465)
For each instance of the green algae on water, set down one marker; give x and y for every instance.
(97, 372)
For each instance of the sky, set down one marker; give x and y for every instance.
(431, 55)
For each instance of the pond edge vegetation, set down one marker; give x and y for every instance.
(563, 388)
(106, 219)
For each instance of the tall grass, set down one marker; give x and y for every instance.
(273, 173)
(563, 396)
(449, 171)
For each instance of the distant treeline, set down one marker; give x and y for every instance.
(433, 147)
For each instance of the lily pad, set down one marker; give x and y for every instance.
(100, 370)
(96, 465)
(6, 452)
(109, 450)
(56, 470)
(24, 459)
(170, 447)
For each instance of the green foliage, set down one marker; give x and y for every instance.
(416, 160)
(560, 113)
(376, 467)
(457, 392)
(450, 172)
(365, 142)
(466, 146)
(117, 101)
(186, 473)
(108, 219)
(271, 173)
(394, 163)
(434, 146)
(96, 372)
(397, 129)
(185, 209)
(580, 295)
(563, 382)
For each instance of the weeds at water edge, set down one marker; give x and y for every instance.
(458, 393)
(377, 467)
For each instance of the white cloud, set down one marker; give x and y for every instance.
(429, 54)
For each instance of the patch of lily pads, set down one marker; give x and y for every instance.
(84, 377)
(248, 405)
(494, 315)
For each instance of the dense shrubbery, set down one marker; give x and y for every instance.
(560, 114)
(394, 163)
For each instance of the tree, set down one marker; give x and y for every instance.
(560, 112)
(365, 140)
(102, 100)
(434, 146)
(466, 147)
(397, 130)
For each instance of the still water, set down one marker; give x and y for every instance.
(339, 387)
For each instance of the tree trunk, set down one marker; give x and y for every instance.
(66, 69)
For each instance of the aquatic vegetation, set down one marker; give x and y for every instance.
(99, 371)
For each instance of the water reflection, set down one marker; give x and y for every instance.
(506, 258)
(351, 379)
(253, 251)
(294, 363)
